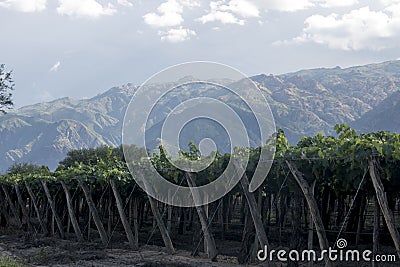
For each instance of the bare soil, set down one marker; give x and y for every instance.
(49, 251)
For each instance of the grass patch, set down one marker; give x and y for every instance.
(9, 262)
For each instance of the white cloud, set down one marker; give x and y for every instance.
(85, 8)
(169, 13)
(24, 5)
(226, 12)
(338, 3)
(359, 29)
(55, 67)
(125, 3)
(287, 5)
(177, 35)
(394, 10)
(243, 8)
(389, 2)
(250, 8)
(292, 6)
(223, 17)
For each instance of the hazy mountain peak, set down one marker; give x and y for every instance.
(303, 103)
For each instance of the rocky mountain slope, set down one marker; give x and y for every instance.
(384, 117)
(303, 103)
(45, 132)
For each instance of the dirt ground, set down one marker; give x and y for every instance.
(55, 252)
(46, 251)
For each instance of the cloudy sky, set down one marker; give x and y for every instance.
(80, 48)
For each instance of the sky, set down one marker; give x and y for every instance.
(80, 48)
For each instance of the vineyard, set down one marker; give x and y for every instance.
(323, 189)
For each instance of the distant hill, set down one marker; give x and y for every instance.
(310, 101)
(45, 132)
(303, 103)
(385, 116)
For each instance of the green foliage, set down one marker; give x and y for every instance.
(22, 168)
(9, 262)
(193, 153)
(344, 131)
(337, 163)
(90, 156)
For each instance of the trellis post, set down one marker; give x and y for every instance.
(383, 203)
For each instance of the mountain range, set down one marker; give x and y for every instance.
(303, 103)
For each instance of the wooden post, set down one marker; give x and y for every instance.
(53, 230)
(136, 222)
(312, 204)
(94, 212)
(71, 213)
(360, 219)
(295, 237)
(130, 209)
(122, 215)
(53, 209)
(246, 254)
(375, 236)
(110, 215)
(12, 207)
(46, 210)
(163, 230)
(156, 213)
(383, 203)
(4, 210)
(221, 217)
(311, 227)
(251, 201)
(208, 238)
(169, 215)
(208, 223)
(227, 210)
(259, 206)
(68, 225)
(23, 206)
(89, 224)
